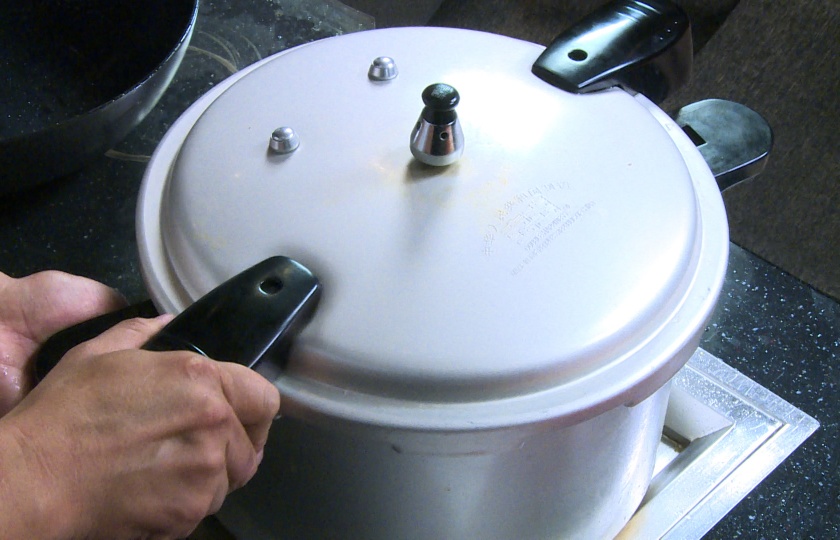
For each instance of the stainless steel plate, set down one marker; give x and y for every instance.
(724, 433)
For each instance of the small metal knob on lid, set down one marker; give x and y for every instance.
(437, 138)
(383, 69)
(284, 140)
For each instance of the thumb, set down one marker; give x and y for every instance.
(51, 301)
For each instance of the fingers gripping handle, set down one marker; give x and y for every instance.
(58, 344)
(252, 316)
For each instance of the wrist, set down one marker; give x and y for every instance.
(33, 504)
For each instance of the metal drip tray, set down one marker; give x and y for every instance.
(724, 433)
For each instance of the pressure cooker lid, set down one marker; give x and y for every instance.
(566, 251)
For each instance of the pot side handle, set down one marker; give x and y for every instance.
(734, 140)
(642, 46)
(253, 316)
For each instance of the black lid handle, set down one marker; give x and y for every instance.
(644, 46)
(248, 318)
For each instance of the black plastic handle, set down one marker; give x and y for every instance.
(734, 140)
(644, 46)
(251, 317)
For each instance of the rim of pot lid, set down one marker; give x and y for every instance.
(564, 263)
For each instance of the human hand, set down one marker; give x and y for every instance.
(135, 444)
(32, 309)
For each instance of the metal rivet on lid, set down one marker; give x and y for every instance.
(284, 140)
(383, 69)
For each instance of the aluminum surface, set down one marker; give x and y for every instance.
(724, 433)
(681, 447)
(581, 334)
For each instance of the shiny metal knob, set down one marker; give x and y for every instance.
(284, 140)
(383, 69)
(437, 138)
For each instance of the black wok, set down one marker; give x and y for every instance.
(78, 76)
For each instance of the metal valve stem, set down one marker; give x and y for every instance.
(437, 138)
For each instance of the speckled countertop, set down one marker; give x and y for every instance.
(768, 325)
(786, 337)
